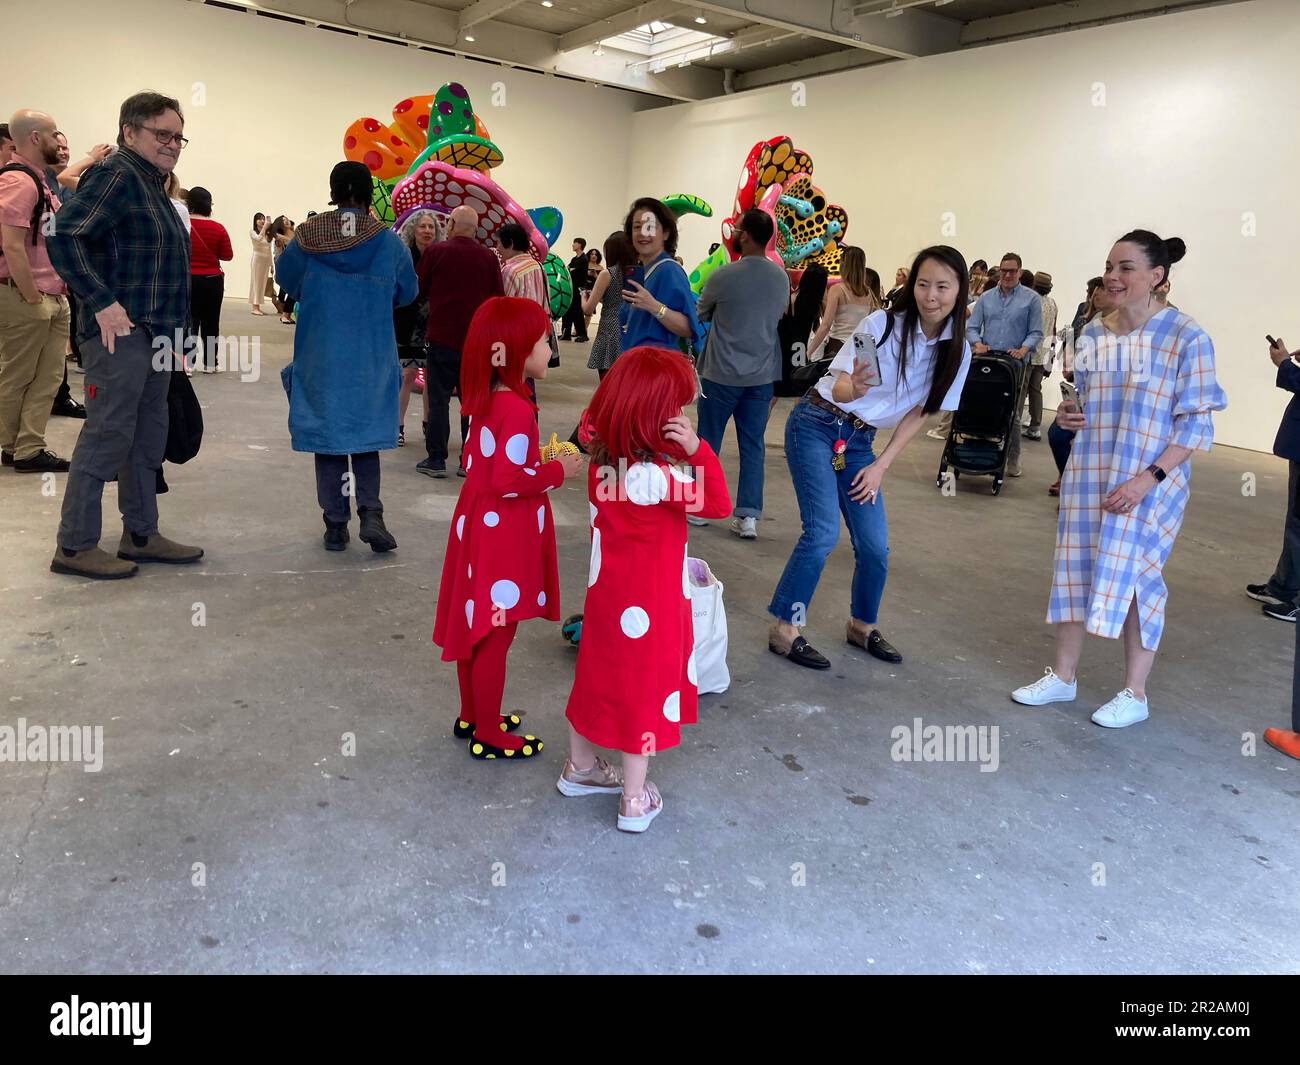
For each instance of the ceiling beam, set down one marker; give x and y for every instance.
(913, 33)
(1078, 15)
(624, 21)
(484, 10)
(847, 59)
(512, 46)
(750, 37)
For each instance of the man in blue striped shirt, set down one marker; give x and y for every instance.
(1008, 318)
(122, 248)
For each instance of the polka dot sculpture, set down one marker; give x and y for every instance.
(437, 154)
(555, 447)
(808, 228)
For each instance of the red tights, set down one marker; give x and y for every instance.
(482, 683)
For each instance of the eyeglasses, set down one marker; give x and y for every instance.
(1014, 270)
(165, 136)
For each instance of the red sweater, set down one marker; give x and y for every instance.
(209, 247)
(457, 275)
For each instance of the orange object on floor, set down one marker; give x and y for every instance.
(1284, 740)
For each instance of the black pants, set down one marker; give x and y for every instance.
(287, 303)
(72, 334)
(334, 488)
(441, 379)
(1295, 685)
(575, 323)
(206, 291)
(64, 394)
(1285, 582)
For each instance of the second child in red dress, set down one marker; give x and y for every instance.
(499, 568)
(636, 682)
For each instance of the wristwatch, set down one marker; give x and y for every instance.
(663, 309)
(1156, 472)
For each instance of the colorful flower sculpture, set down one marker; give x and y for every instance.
(777, 178)
(437, 155)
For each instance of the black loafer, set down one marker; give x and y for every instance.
(69, 408)
(802, 653)
(880, 647)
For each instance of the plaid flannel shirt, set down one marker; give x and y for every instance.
(120, 240)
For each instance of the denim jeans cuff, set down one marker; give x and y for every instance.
(747, 512)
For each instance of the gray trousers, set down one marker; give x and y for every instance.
(124, 436)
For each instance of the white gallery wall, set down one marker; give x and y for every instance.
(267, 103)
(1053, 147)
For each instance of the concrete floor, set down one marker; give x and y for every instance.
(792, 841)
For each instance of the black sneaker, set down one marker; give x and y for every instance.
(1263, 593)
(1033, 434)
(374, 532)
(6, 458)
(42, 462)
(430, 468)
(1280, 611)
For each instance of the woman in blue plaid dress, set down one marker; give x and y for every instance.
(1145, 375)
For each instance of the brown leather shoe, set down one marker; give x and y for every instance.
(156, 548)
(92, 562)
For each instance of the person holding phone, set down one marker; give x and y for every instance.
(1145, 375)
(910, 362)
(658, 304)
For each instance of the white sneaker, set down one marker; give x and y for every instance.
(691, 519)
(1123, 710)
(745, 528)
(937, 434)
(1049, 688)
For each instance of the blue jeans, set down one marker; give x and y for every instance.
(1060, 441)
(823, 495)
(749, 405)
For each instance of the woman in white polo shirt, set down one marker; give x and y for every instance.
(828, 446)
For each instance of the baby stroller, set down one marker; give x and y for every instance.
(981, 426)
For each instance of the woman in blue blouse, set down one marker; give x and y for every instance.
(658, 304)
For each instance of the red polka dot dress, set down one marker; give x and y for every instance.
(635, 681)
(499, 566)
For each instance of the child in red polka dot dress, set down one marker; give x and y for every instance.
(635, 680)
(499, 568)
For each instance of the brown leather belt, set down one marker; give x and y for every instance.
(815, 398)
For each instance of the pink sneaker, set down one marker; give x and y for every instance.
(601, 779)
(635, 814)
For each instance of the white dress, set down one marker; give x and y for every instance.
(260, 271)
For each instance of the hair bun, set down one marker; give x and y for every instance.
(1176, 249)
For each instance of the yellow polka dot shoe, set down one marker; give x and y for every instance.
(532, 747)
(463, 730)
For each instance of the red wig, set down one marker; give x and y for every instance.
(502, 334)
(643, 389)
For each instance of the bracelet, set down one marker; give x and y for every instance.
(663, 309)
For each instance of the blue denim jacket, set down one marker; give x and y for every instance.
(1005, 323)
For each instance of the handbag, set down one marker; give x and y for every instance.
(184, 420)
(709, 620)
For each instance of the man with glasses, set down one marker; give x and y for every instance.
(120, 245)
(1008, 318)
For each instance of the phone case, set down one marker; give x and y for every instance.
(866, 354)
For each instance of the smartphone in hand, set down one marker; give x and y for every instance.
(866, 355)
(1070, 394)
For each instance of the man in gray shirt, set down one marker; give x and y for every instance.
(743, 301)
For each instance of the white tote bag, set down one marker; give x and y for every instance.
(710, 621)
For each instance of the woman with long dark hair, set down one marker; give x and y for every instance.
(1147, 389)
(923, 358)
(803, 315)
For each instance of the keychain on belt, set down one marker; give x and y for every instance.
(837, 460)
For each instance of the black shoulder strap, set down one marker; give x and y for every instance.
(42, 199)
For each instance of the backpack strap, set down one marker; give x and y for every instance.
(42, 197)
